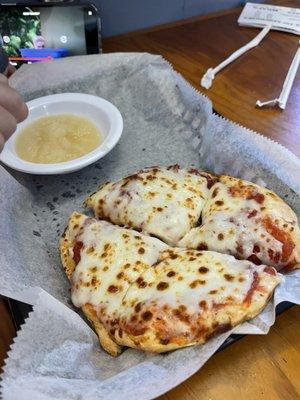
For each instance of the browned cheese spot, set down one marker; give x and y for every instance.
(203, 270)
(141, 250)
(192, 258)
(170, 274)
(202, 246)
(94, 281)
(173, 256)
(113, 289)
(151, 177)
(213, 291)
(141, 283)
(147, 315)
(241, 279)
(197, 282)
(162, 285)
(220, 236)
(219, 202)
(90, 250)
(159, 209)
(189, 203)
(215, 192)
(203, 304)
(138, 307)
(256, 249)
(229, 277)
(120, 275)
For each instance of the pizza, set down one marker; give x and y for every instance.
(175, 256)
(139, 292)
(194, 209)
(101, 260)
(163, 202)
(249, 222)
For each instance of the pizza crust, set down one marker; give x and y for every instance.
(66, 243)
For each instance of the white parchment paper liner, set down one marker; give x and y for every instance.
(56, 355)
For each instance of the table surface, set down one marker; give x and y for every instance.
(194, 45)
(255, 367)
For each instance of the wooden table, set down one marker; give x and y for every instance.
(256, 367)
(194, 45)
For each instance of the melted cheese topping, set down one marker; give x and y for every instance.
(189, 293)
(110, 259)
(165, 202)
(188, 277)
(140, 287)
(248, 221)
(238, 217)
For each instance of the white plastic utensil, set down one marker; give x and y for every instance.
(209, 76)
(287, 86)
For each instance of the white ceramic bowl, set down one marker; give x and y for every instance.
(101, 112)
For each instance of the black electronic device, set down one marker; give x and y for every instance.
(46, 31)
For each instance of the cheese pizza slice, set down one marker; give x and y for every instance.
(249, 222)
(190, 296)
(163, 202)
(101, 261)
(138, 292)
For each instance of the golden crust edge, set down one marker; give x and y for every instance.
(68, 264)
(151, 345)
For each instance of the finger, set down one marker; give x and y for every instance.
(12, 101)
(10, 70)
(8, 123)
(3, 79)
(2, 141)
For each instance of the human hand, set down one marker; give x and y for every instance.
(12, 110)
